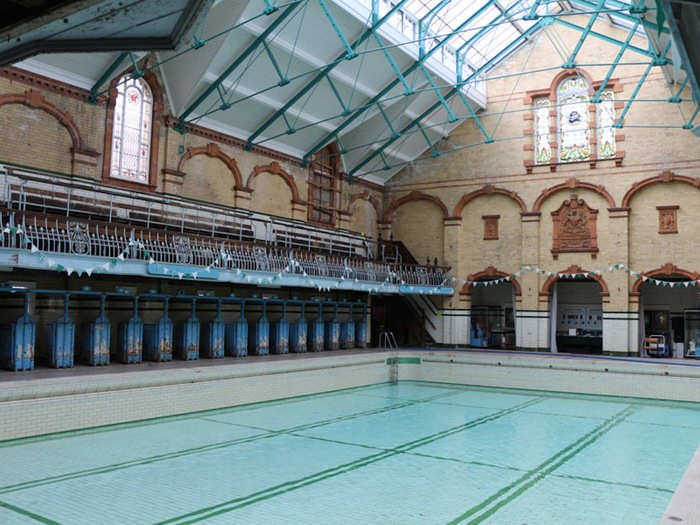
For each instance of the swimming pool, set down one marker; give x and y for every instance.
(410, 452)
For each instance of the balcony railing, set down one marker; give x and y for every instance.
(31, 190)
(63, 219)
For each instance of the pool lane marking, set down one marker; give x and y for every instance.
(53, 436)
(488, 465)
(207, 448)
(27, 513)
(501, 498)
(289, 486)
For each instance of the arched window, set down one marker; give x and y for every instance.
(572, 120)
(575, 136)
(131, 131)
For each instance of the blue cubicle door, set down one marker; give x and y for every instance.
(297, 336)
(236, 338)
(17, 344)
(280, 337)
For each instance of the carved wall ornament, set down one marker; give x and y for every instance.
(668, 219)
(79, 238)
(490, 227)
(574, 227)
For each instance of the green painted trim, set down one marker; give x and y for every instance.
(533, 349)
(403, 360)
(28, 514)
(540, 472)
(211, 446)
(237, 503)
(176, 417)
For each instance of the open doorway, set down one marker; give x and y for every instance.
(579, 316)
(493, 316)
(669, 318)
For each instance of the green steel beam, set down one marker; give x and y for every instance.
(346, 111)
(656, 62)
(349, 51)
(424, 26)
(532, 15)
(596, 97)
(386, 118)
(283, 80)
(438, 94)
(407, 89)
(436, 153)
(234, 65)
(505, 51)
(689, 125)
(677, 97)
(601, 36)
(322, 74)
(633, 10)
(336, 132)
(95, 90)
(570, 64)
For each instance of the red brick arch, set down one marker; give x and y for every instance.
(493, 273)
(664, 178)
(487, 190)
(367, 196)
(275, 169)
(666, 269)
(413, 196)
(212, 150)
(36, 100)
(571, 184)
(547, 287)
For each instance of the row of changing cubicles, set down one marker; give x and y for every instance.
(189, 339)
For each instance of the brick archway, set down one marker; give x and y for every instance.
(487, 190)
(275, 169)
(666, 269)
(547, 286)
(34, 99)
(414, 196)
(490, 272)
(664, 178)
(367, 196)
(571, 184)
(212, 150)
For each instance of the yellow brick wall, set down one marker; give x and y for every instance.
(418, 224)
(36, 131)
(271, 195)
(209, 179)
(364, 218)
(648, 153)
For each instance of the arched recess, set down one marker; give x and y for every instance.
(664, 178)
(34, 99)
(158, 94)
(547, 287)
(487, 190)
(275, 169)
(366, 195)
(490, 272)
(413, 196)
(212, 150)
(666, 269)
(571, 184)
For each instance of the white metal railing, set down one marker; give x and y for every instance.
(25, 189)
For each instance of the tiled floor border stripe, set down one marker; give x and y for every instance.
(496, 501)
(270, 492)
(27, 514)
(179, 417)
(212, 446)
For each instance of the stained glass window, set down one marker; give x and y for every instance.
(606, 119)
(572, 99)
(131, 132)
(543, 149)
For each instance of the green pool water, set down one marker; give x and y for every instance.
(410, 452)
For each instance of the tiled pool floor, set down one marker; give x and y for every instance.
(391, 453)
